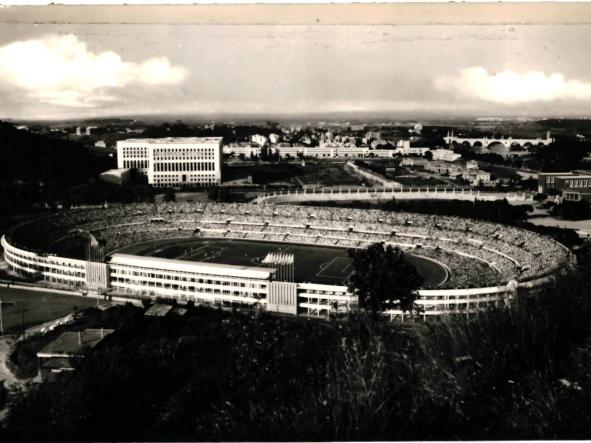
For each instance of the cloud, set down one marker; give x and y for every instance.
(60, 70)
(509, 87)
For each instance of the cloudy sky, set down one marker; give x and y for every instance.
(51, 71)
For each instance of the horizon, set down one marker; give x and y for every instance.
(281, 71)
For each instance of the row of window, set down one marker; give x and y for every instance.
(184, 167)
(40, 268)
(139, 164)
(183, 277)
(177, 287)
(577, 183)
(177, 150)
(184, 180)
(135, 151)
(42, 261)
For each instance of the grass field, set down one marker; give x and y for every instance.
(319, 264)
(329, 175)
(31, 308)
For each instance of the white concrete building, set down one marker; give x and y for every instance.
(245, 149)
(184, 280)
(476, 177)
(411, 151)
(258, 139)
(182, 161)
(446, 155)
(403, 143)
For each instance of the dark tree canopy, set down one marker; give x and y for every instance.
(383, 278)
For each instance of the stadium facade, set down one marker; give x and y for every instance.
(521, 261)
(174, 161)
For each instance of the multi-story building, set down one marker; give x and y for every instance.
(245, 149)
(172, 161)
(477, 177)
(446, 155)
(575, 185)
(258, 139)
(411, 151)
(200, 282)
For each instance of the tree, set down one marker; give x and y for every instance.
(383, 279)
(428, 155)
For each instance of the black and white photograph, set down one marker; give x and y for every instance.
(266, 223)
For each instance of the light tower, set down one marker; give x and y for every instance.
(282, 295)
(283, 263)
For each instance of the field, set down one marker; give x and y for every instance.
(419, 180)
(21, 307)
(331, 174)
(313, 173)
(318, 264)
(500, 171)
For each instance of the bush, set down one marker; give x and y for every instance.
(572, 210)
(514, 372)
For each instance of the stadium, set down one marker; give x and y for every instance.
(282, 258)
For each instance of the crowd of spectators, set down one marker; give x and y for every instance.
(478, 253)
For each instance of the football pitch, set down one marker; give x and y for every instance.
(316, 264)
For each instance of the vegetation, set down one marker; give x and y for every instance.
(37, 170)
(513, 373)
(572, 210)
(564, 154)
(383, 279)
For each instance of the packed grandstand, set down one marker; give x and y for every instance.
(478, 255)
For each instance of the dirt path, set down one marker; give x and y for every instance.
(5, 374)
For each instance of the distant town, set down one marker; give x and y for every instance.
(243, 159)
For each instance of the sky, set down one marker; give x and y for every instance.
(79, 71)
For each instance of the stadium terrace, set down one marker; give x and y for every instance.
(487, 264)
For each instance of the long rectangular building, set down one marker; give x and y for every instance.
(174, 161)
(574, 186)
(188, 281)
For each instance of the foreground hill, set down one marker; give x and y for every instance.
(516, 373)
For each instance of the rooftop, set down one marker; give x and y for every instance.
(577, 176)
(116, 172)
(567, 173)
(168, 264)
(158, 310)
(172, 140)
(71, 343)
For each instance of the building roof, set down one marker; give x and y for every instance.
(168, 264)
(158, 310)
(73, 343)
(172, 140)
(576, 176)
(568, 173)
(116, 172)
